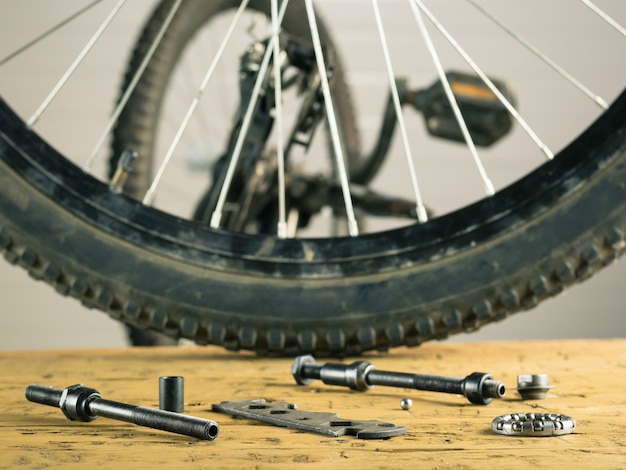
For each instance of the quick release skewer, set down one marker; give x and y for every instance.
(478, 387)
(80, 403)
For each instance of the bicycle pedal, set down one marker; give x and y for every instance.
(486, 117)
(287, 415)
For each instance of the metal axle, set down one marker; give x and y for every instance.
(478, 387)
(80, 403)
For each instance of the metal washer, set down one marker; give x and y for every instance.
(533, 424)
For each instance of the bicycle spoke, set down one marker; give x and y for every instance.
(506, 103)
(543, 57)
(332, 122)
(216, 217)
(149, 197)
(605, 16)
(280, 154)
(420, 208)
(68, 73)
(488, 185)
(48, 32)
(131, 87)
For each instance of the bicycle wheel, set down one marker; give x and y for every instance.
(166, 85)
(553, 227)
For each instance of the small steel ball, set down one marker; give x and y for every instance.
(406, 403)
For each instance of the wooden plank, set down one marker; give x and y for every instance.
(443, 430)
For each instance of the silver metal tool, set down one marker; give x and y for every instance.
(287, 415)
(80, 403)
(533, 424)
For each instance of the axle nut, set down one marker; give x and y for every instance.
(298, 366)
(533, 387)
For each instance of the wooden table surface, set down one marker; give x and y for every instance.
(443, 431)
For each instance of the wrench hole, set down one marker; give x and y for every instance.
(258, 407)
(341, 423)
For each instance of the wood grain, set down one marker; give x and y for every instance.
(443, 431)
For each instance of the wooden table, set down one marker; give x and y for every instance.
(442, 430)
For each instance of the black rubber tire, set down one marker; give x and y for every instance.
(556, 226)
(137, 125)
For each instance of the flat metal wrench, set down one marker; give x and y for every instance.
(287, 415)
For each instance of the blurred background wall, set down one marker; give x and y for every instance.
(35, 317)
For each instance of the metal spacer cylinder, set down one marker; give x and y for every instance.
(172, 393)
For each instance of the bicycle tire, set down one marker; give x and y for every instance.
(136, 127)
(555, 226)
